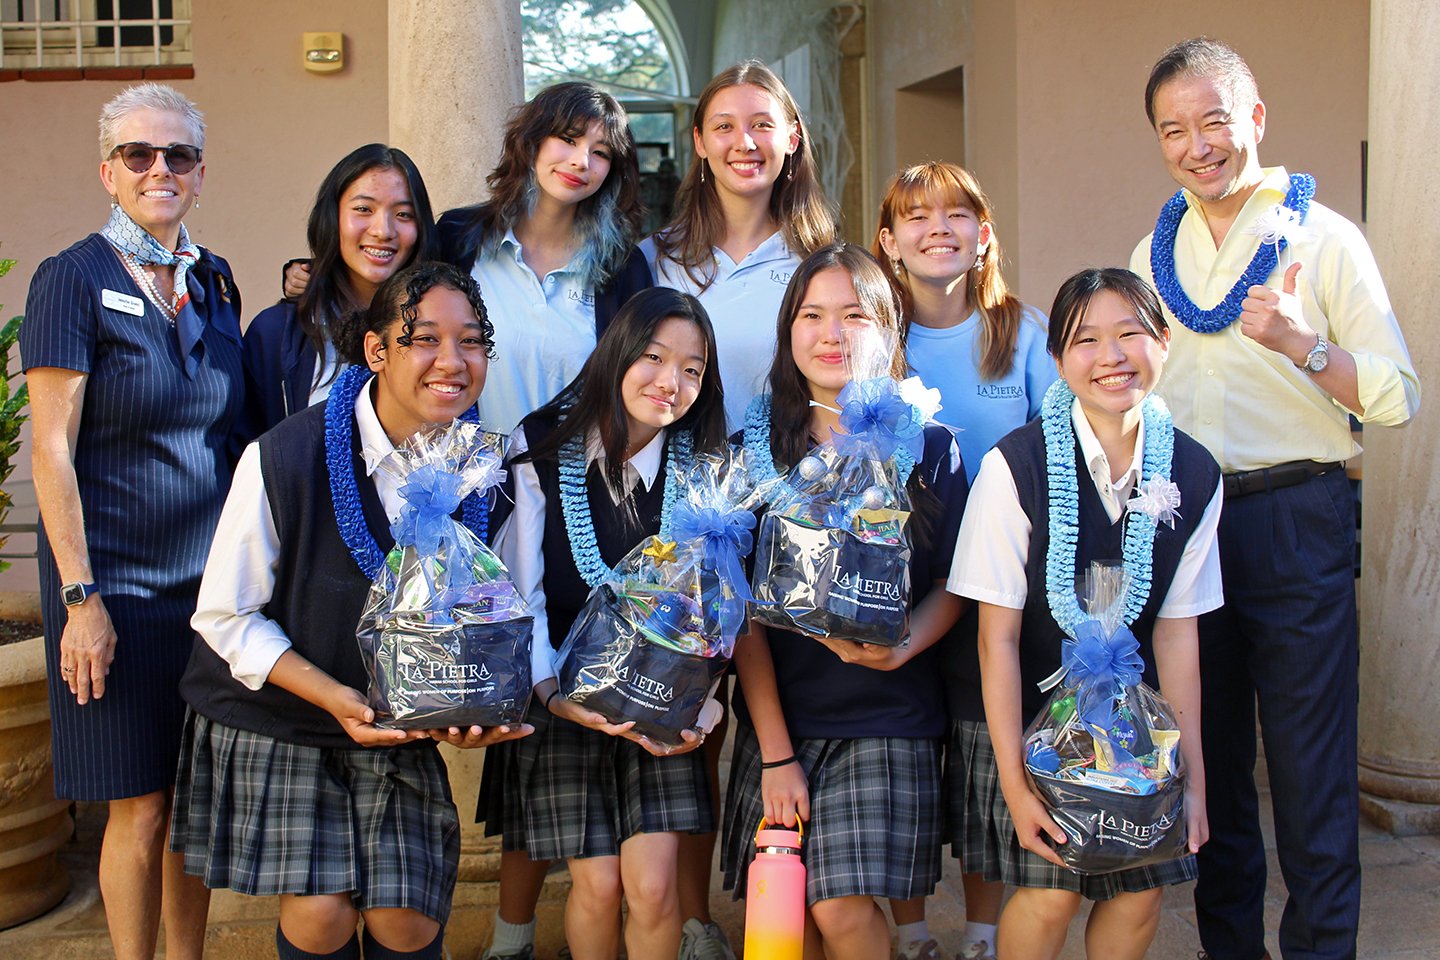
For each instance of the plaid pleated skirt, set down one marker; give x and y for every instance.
(568, 791)
(982, 833)
(875, 816)
(266, 817)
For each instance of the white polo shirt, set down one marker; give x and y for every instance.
(743, 302)
(544, 332)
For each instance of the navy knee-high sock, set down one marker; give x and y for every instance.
(286, 950)
(375, 950)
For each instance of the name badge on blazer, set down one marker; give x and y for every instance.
(124, 302)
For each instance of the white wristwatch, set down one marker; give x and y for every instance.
(1318, 357)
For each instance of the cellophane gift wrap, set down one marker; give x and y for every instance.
(652, 640)
(834, 550)
(444, 634)
(1104, 752)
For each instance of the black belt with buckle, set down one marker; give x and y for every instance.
(1246, 482)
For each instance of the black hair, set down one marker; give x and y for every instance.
(1202, 57)
(399, 299)
(324, 311)
(1073, 298)
(789, 391)
(607, 223)
(593, 398)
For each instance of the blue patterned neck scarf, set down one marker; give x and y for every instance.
(128, 237)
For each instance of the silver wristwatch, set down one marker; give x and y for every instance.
(1318, 357)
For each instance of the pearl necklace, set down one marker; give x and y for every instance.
(147, 286)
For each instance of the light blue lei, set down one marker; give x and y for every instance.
(1062, 483)
(575, 501)
(756, 439)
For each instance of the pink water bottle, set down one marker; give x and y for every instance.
(775, 896)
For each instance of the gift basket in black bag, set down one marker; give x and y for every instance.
(652, 639)
(833, 557)
(1104, 752)
(444, 634)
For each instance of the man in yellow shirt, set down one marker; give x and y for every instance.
(1282, 330)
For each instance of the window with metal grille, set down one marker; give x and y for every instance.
(71, 34)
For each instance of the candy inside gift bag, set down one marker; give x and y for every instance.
(834, 551)
(1104, 752)
(444, 634)
(654, 637)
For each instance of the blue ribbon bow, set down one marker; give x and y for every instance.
(878, 421)
(431, 495)
(725, 538)
(1102, 667)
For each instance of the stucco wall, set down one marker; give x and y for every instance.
(1055, 127)
(273, 132)
(1090, 176)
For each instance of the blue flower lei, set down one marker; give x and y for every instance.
(1062, 484)
(1162, 261)
(340, 465)
(575, 501)
(756, 439)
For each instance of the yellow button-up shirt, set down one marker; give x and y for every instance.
(1250, 406)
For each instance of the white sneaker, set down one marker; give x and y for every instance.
(979, 950)
(921, 950)
(704, 941)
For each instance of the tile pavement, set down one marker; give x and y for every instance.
(1400, 915)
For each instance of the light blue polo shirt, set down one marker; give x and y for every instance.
(984, 410)
(743, 302)
(544, 332)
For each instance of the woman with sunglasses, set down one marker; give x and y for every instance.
(371, 219)
(131, 348)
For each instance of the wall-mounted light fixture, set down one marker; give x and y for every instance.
(324, 52)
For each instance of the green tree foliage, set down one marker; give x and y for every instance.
(607, 41)
(12, 411)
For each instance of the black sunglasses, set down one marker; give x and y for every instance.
(139, 156)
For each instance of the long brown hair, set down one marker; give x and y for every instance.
(797, 202)
(789, 390)
(948, 185)
(607, 223)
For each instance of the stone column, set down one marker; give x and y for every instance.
(1400, 585)
(455, 74)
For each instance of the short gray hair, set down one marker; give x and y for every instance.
(147, 96)
(1202, 57)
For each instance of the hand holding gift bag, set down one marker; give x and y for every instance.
(1104, 753)
(444, 634)
(653, 639)
(834, 550)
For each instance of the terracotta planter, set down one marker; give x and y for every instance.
(33, 824)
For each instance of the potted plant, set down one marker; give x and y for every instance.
(33, 824)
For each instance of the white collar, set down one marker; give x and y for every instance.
(772, 247)
(517, 250)
(375, 445)
(1096, 461)
(645, 464)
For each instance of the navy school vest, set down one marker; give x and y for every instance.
(616, 530)
(319, 591)
(1193, 470)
